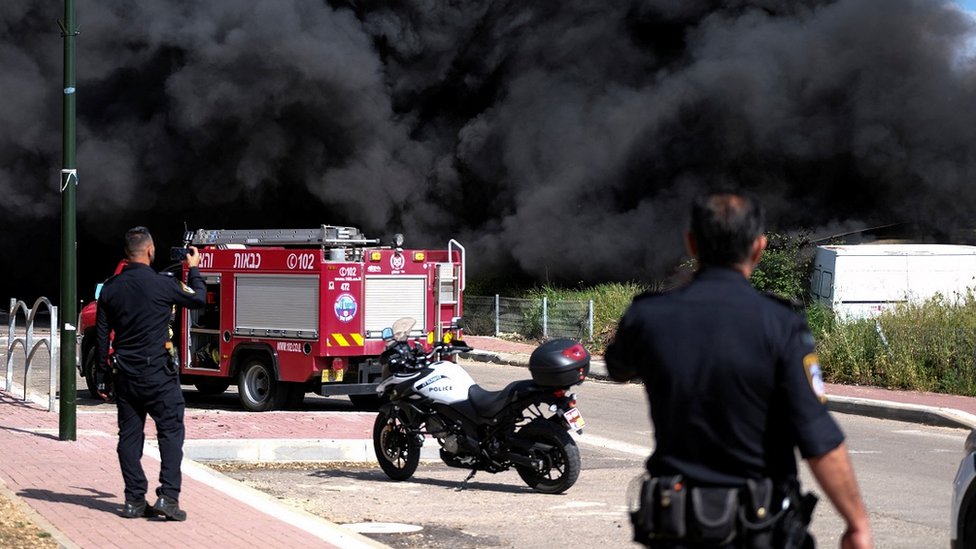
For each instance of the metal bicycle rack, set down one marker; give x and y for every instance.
(32, 344)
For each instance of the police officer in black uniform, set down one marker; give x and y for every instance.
(734, 386)
(137, 305)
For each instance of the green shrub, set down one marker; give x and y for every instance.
(784, 269)
(821, 319)
(924, 347)
(850, 351)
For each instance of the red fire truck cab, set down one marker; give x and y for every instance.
(296, 311)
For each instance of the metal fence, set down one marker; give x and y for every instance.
(530, 318)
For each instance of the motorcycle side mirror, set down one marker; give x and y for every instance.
(458, 322)
(387, 334)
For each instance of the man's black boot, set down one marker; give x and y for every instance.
(137, 509)
(169, 508)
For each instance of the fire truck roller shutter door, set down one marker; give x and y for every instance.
(281, 304)
(389, 298)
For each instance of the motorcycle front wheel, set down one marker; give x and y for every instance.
(395, 448)
(559, 455)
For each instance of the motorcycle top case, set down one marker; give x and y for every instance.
(559, 363)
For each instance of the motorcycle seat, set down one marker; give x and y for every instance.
(488, 403)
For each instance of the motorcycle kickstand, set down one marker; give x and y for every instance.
(465, 481)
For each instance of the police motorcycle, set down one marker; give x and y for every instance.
(523, 426)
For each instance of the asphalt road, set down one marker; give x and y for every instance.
(905, 471)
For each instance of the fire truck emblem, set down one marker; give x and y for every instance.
(345, 307)
(397, 262)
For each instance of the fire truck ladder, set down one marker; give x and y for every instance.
(449, 280)
(326, 236)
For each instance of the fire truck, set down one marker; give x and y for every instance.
(295, 311)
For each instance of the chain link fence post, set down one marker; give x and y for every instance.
(545, 317)
(591, 321)
(497, 315)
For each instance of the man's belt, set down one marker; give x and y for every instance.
(758, 515)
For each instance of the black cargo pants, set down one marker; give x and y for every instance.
(159, 395)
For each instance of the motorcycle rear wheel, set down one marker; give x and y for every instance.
(561, 462)
(395, 449)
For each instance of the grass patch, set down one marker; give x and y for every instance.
(923, 347)
(609, 303)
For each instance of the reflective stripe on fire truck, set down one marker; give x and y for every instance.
(345, 340)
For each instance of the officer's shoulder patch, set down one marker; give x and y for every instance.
(815, 376)
(186, 289)
(794, 304)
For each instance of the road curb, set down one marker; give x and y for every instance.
(898, 411)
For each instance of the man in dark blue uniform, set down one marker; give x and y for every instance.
(734, 386)
(137, 304)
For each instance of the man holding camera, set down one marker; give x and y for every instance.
(137, 305)
(734, 386)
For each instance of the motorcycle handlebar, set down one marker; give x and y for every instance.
(448, 349)
(416, 357)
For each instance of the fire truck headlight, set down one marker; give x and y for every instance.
(375, 256)
(418, 256)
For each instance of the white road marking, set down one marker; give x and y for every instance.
(958, 435)
(578, 504)
(382, 527)
(614, 445)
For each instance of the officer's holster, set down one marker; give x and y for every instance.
(105, 379)
(759, 515)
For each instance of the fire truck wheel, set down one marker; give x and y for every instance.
(258, 389)
(212, 387)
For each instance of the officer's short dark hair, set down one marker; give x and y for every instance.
(725, 224)
(136, 240)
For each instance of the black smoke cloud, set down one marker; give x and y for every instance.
(559, 141)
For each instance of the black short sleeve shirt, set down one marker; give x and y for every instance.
(732, 378)
(137, 304)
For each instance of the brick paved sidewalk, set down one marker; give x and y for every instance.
(76, 486)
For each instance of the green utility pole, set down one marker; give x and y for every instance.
(67, 425)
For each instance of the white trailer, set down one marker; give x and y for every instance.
(860, 281)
